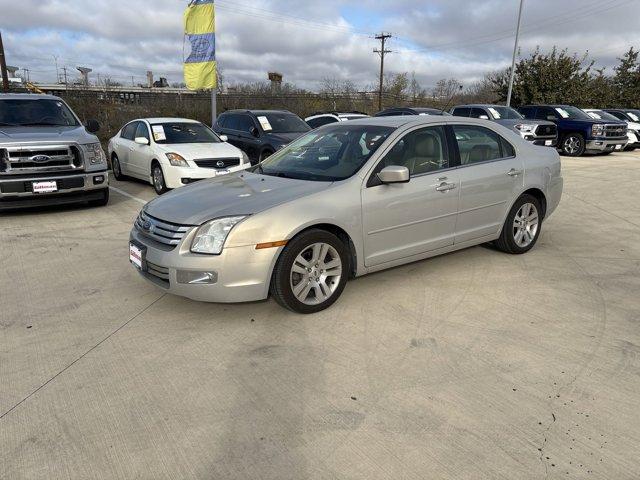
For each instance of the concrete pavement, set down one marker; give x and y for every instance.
(471, 365)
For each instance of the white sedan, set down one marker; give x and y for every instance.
(172, 152)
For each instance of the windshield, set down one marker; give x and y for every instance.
(281, 122)
(183, 132)
(504, 113)
(329, 154)
(49, 112)
(571, 112)
(634, 115)
(600, 115)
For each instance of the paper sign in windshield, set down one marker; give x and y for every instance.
(494, 112)
(563, 113)
(264, 123)
(158, 133)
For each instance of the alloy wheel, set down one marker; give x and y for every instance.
(158, 179)
(525, 225)
(572, 145)
(117, 171)
(315, 273)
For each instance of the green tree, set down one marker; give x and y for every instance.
(626, 81)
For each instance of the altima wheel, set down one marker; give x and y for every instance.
(158, 179)
(311, 272)
(573, 145)
(117, 169)
(522, 227)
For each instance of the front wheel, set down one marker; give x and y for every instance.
(311, 272)
(521, 229)
(117, 168)
(573, 144)
(157, 178)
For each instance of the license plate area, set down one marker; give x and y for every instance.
(137, 256)
(548, 142)
(44, 187)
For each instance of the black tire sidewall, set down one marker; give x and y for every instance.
(116, 161)
(280, 282)
(507, 239)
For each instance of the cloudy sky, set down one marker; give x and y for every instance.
(310, 40)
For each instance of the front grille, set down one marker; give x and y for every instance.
(217, 162)
(34, 159)
(160, 231)
(546, 130)
(22, 186)
(615, 130)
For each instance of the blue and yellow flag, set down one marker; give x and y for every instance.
(199, 30)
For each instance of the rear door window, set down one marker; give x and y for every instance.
(478, 144)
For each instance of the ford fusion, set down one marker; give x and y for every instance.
(345, 200)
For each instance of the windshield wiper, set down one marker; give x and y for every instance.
(5, 124)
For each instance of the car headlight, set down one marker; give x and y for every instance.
(176, 160)
(597, 130)
(211, 236)
(93, 153)
(525, 128)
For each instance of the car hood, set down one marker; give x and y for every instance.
(234, 194)
(46, 134)
(510, 122)
(284, 138)
(192, 151)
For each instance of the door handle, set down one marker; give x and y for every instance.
(514, 173)
(445, 187)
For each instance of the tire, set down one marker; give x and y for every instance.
(629, 149)
(573, 145)
(517, 239)
(157, 179)
(301, 265)
(117, 168)
(264, 155)
(101, 202)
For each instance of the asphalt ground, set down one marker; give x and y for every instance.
(471, 365)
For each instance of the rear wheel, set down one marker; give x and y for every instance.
(521, 229)
(157, 177)
(573, 144)
(311, 272)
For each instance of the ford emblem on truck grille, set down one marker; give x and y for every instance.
(40, 158)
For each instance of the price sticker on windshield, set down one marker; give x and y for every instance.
(158, 133)
(563, 113)
(264, 123)
(494, 112)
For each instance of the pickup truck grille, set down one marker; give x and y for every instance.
(160, 231)
(217, 162)
(36, 159)
(546, 131)
(615, 131)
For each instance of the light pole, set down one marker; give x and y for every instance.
(513, 60)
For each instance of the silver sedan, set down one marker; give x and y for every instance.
(346, 200)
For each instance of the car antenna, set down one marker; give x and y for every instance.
(451, 99)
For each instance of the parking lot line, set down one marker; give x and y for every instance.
(128, 195)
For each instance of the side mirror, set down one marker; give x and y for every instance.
(92, 126)
(394, 174)
(551, 117)
(224, 138)
(142, 141)
(254, 131)
(483, 117)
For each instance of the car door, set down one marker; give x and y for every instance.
(124, 146)
(140, 155)
(229, 126)
(249, 136)
(406, 219)
(491, 177)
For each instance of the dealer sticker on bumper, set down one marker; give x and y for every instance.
(44, 187)
(135, 255)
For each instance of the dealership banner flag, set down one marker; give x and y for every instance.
(199, 30)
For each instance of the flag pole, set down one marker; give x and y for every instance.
(214, 102)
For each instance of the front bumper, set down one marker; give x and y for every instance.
(634, 139)
(242, 274)
(606, 145)
(178, 176)
(17, 190)
(544, 141)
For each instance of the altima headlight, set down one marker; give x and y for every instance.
(597, 130)
(211, 236)
(525, 128)
(93, 153)
(176, 160)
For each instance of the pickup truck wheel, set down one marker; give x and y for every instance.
(573, 144)
(157, 177)
(521, 229)
(101, 202)
(117, 169)
(311, 272)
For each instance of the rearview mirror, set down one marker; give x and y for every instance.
(394, 174)
(254, 131)
(224, 138)
(483, 117)
(92, 126)
(551, 117)
(142, 141)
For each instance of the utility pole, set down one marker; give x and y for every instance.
(382, 52)
(26, 75)
(3, 67)
(513, 60)
(64, 69)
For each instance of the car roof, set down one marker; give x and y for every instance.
(482, 105)
(27, 96)
(258, 112)
(399, 121)
(167, 120)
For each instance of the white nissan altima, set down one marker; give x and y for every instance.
(171, 152)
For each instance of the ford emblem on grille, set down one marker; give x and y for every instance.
(220, 164)
(40, 158)
(147, 225)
